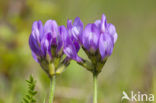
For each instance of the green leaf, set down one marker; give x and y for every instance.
(29, 98)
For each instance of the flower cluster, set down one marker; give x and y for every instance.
(50, 42)
(98, 41)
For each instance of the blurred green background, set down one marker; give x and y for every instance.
(132, 66)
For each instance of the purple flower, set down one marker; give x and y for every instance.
(44, 40)
(50, 41)
(90, 37)
(70, 50)
(48, 44)
(99, 36)
(71, 45)
(75, 30)
(35, 40)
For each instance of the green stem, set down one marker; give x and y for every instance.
(95, 87)
(52, 89)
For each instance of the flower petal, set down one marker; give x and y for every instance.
(51, 27)
(61, 38)
(63, 32)
(98, 23)
(77, 45)
(91, 37)
(106, 45)
(34, 45)
(77, 29)
(69, 24)
(70, 35)
(70, 50)
(103, 23)
(37, 30)
(112, 31)
(46, 44)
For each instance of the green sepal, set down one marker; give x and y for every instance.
(51, 69)
(86, 64)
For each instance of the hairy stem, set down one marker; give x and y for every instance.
(52, 89)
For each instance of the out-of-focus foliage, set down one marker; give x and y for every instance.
(131, 67)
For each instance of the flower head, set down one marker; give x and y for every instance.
(43, 39)
(97, 40)
(47, 43)
(50, 42)
(99, 36)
